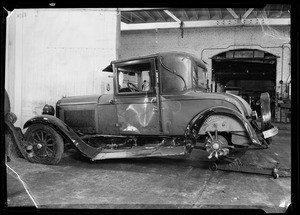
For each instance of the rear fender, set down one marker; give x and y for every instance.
(66, 132)
(198, 122)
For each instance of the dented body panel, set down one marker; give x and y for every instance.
(178, 110)
(138, 115)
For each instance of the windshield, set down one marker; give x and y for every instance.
(175, 75)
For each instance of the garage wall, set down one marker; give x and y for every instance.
(207, 42)
(56, 53)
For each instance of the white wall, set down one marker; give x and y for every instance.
(52, 53)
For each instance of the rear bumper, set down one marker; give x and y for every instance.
(270, 132)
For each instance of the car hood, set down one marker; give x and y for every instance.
(91, 99)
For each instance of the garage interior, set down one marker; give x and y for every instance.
(151, 183)
(251, 72)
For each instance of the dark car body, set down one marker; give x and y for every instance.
(14, 144)
(162, 98)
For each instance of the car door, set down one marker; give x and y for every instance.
(136, 99)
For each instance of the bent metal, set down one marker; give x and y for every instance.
(159, 106)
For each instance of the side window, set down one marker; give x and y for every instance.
(135, 77)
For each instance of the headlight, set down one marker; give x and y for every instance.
(11, 117)
(49, 110)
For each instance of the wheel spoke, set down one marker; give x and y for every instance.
(38, 152)
(38, 136)
(43, 136)
(35, 140)
(47, 150)
(48, 140)
(216, 134)
(49, 144)
(210, 135)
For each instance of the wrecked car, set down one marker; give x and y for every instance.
(160, 106)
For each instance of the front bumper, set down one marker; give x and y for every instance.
(270, 132)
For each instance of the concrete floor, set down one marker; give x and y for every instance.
(153, 182)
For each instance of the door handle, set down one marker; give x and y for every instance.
(112, 101)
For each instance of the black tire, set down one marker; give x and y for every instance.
(48, 146)
(12, 150)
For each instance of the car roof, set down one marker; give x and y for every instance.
(198, 61)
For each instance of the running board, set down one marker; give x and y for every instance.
(141, 151)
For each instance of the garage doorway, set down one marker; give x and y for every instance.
(245, 72)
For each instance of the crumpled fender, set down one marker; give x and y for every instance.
(16, 135)
(66, 132)
(200, 118)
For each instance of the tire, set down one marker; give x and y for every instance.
(48, 145)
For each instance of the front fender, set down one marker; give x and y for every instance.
(66, 132)
(16, 136)
(200, 118)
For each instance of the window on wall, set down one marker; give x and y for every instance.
(135, 77)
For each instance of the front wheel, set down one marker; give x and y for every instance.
(48, 146)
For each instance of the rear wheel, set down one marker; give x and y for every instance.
(216, 145)
(219, 145)
(47, 144)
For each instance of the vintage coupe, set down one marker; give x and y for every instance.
(159, 107)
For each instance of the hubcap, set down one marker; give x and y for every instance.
(216, 145)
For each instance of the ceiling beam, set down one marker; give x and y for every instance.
(161, 16)
(206, 23)
(148, 14)
(207, 13)
(267, 9)
(136, 9)
(138, 16)
(172, 16)
(247, 13)
(185, 13)
(127, 19)
(219, 12)
(231, 11)
(281, 10)
(196, 14)
(255, 13)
